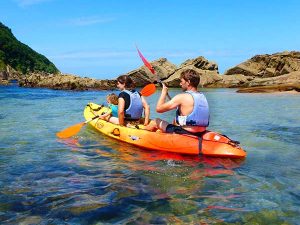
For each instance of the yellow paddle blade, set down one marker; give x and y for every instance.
(70, 131)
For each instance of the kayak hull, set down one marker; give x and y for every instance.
(212, 143)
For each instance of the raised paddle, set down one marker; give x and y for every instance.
(148, 90)
(149, 66)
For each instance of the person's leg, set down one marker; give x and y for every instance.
(114, 120)
(157, 124)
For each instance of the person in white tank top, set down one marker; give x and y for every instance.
(184, 102)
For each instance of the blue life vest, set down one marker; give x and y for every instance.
(114, 110)
(200, 114)
(135, 109)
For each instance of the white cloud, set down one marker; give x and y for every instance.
(86, 21)
(92, 55)
(210, 53)
(24, 3)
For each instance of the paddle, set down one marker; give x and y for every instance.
(70, 131)
(148, 90)
(149, 66)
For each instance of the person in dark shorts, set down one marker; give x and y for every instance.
(192, 114)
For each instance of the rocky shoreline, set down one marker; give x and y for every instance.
(261, 73)
(271, 89)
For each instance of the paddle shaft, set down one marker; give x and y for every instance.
(149, 66)
(161, 84)
(95, 117)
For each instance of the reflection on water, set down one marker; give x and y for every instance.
(91, 179)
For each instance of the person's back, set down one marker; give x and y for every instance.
(130, 103)
(114, 109)
(112, 101)
(133, 104)
(192, 113)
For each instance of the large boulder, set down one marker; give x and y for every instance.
(268, 65)
(208, 72)
(170, 73)
(163, 69)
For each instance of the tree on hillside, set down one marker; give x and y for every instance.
(20, 56)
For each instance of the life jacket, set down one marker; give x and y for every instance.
(200, 114)
(135, 109)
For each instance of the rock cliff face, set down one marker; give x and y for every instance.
(9, 74)
(170, 73)
(280, 69)
(264, 66)
(208, 72)
(65, 82)
(163, 69)
(264, 70)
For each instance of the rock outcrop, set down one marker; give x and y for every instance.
(268, 65)
(271, 89)
(264, 70)
(65, 82)
(9, 74)
(163, 69)
(280, 69)
(170, 73)
(208, 72)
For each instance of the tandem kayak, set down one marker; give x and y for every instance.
(210, 144)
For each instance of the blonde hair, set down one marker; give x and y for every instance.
(113, 98)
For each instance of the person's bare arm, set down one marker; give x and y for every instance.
(163, 106)
(121, 110)
(105, 116)
(147, 110)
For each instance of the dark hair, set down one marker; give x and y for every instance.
(125, 79)
(192, 76)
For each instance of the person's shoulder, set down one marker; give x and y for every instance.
(123, 94)
(179, 97)
(182, 95)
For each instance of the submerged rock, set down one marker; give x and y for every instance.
(270, 89)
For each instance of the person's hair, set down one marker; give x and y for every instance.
(113, 98)
(125, 79)
(192, 76)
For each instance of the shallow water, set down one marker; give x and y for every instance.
(90, 179)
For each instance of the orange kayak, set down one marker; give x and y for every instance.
(210, 144)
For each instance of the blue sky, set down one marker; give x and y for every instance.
(97, 38)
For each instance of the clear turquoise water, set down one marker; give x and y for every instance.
(90, 179)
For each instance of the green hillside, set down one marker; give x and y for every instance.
(20, 56)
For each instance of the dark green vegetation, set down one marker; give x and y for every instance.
(20, 56)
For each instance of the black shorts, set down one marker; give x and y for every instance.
(179, 130)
